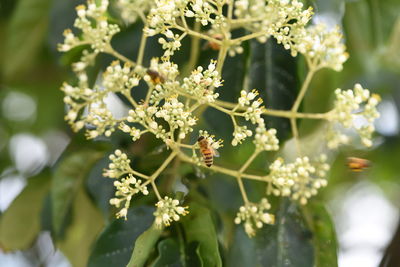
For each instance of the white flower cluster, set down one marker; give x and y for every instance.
(254, 216)
(201, 83)
(205, 12)
(96, 31)
(323, 47)
(127, 186)
(166, 15)
(99, 121)
(300, 180)
(163, 82)
(273, 17)
(125, 189)
(350, 107)
(265, 140)
(87, 59)
(131, 10)
(172, 111)
(133, 131)
(161, 18)
(97, 118)
(144, 115)
(177, 117)
(239, 134)
(119, 165)
(119, 78)
(168, 210)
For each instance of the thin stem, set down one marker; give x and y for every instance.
(153, 184)
(111, 51)
(141, 48)
(273, 112)
(139, 174)
(163, 166)
(303, 90)
(131, 100)
(295, 133)
(221, 56)
(248, 37)
(242, 189)
(296, 105)
(194, 51)
(249, 161)
(223, 170)
(200, 35)
(230, 11)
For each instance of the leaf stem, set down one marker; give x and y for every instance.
(142, 47)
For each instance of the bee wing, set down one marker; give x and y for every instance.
(215, 152)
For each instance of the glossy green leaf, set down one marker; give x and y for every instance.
(199, 227)
(99, 188)
(15, 234)
(67, 180)
(286, 243)
(242, 252)
(25, 36)
(86, 224)
(115, 244)
(324, 236)
(273, 72)
(168, 254)
(144, 245)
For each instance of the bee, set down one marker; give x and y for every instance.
(207, 151)
(155, 76)
(213, 45)
(357, 164)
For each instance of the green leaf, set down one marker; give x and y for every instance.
(243, 250)
(168, 254)
(114, 245)
(199, 227)
(86, 224)
(144, 244)
(286, 243)
(273, 72)
(324, 236)
(66, 182)
(15, 234)
(99, 188)
(25, 35)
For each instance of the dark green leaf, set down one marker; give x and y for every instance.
(168, 254)
(144, 244)
(14, 232)
(114, 246)
(25, 35)
(101, 189)
(86, 224)
(324, 236)
(243, 251)
(233, 75)
(273, 72)
(286, 243)
(199, 227)
(66, 182)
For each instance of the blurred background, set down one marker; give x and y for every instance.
(365, 206)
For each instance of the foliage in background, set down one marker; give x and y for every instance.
(226, 243)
